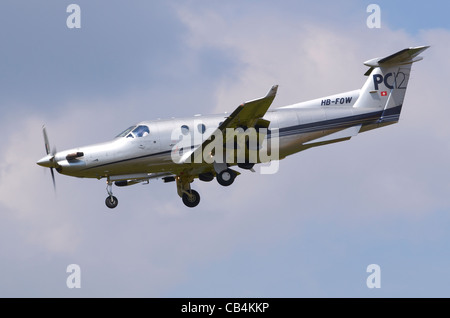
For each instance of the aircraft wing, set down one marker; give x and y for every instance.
(248, 114)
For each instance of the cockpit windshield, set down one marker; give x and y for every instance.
(135, 132)
(125, 132)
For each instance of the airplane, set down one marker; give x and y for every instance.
(206, 147)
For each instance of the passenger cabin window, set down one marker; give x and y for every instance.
(185, 130)
(201, 128)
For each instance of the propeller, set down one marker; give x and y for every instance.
(49, 160)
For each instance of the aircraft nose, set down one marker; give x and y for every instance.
(46, 161)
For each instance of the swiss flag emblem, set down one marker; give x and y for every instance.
(383, 93)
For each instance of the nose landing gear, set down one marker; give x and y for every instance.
(111, 201)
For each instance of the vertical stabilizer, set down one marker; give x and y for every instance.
(385, 88)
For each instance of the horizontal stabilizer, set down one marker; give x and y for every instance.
(341, 134)
(405, 56)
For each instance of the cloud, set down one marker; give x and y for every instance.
(325, 206)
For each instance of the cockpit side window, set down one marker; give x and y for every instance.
(141, 131)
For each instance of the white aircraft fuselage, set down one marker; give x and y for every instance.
(152, 149)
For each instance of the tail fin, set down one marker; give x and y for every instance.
(388, 78)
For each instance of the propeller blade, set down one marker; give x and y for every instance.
(53, 178)
(46, 161)
(47, 144)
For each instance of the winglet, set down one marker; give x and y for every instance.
(273, 91)
(270, 95)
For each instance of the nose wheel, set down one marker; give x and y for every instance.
(110, 201)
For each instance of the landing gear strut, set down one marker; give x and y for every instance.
(111, 201)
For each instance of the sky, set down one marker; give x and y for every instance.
(309, 230)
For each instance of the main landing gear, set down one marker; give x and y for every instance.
(226, 177)
(191, 198)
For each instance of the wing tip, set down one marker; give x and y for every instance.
(273, 91)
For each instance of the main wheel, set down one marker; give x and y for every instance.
(191, 200)
(111, 202)
(207, 176)
(226, 177)
(246, 165)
